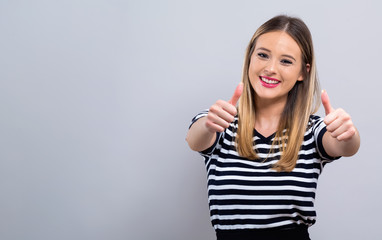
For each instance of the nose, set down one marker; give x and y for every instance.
(270, 68)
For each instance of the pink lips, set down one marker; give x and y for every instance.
(269, 85)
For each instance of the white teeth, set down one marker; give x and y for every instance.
(269, 81)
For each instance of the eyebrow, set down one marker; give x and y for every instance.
(284, 55)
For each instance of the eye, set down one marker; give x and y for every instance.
(262, 55)
(286, 62)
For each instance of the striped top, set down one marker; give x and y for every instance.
(249, 194)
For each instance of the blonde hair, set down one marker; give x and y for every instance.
(303, 100)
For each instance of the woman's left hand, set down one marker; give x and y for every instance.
(338, 122)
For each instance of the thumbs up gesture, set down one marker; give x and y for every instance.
(338, 122)
(222, 113)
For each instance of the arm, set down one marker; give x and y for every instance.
(199, 137)
(346, 148)
(342, 137)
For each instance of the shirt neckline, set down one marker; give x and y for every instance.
(263, 138)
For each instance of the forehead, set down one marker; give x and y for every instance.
(278, 42)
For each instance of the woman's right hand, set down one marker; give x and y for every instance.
(222, 113)
(202, 134)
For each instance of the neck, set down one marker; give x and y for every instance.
(268, 114)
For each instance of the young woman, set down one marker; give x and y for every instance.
(264, 157)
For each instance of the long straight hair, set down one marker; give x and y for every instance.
(302, 101)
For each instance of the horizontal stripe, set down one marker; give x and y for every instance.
(265, 192)
(299, 172)
(259, 197)
(256, 226)
(270, 185)
(256, 217)
(308, 212)
(262, 207)
(241, 187)
(263, 178)
(269, 222)
(284, 202)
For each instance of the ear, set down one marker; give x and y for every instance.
(301, 77)
(307, 67)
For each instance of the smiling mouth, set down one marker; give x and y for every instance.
(269, 80)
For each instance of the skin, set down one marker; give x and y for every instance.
(276, 56)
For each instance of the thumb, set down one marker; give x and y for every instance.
(236, 94)
(326, 103)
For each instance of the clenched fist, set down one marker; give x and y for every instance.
(338, 122)
(222, 113)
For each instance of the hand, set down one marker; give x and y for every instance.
(338, 122)
(222, 113)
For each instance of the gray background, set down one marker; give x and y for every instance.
(96, 97)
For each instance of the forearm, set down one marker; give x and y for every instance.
(199, 138)
(336, 148)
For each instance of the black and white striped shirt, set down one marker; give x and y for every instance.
(249, 194)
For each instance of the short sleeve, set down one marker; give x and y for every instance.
(319, 129)
(203, 113)
(209, 150)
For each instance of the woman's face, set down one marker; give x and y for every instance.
(275, 66)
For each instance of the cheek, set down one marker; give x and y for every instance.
(254, 72)
(253, 76)
(291, 73)
(254, 69)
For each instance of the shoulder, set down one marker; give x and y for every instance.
(316, 126)
(315, 118)
(315, 121)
